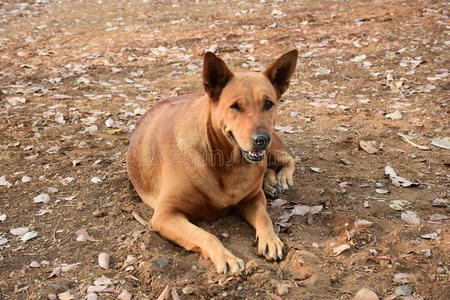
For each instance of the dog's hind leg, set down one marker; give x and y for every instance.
(176, 227)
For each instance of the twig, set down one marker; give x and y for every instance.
(139, 218)
(54, 230)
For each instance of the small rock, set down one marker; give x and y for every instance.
(441, 270)
(34, 264)
(52, 297)
(365, 294)
(403, 290)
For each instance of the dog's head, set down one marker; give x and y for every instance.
(244, 105)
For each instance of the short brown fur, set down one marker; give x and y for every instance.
(186, 158)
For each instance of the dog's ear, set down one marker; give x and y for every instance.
(281, 70)
(215, 75)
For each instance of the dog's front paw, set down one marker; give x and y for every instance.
(270, 246)
(285, 178)
(226, 262)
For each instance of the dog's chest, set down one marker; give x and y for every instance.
(236, 185)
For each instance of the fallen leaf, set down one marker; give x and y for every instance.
(165, 294)
(103, 260)
(19, 231)
(83, 235)
(29, 235)
(439, 202)
(394, 116)
(125, 295)
(338, 250)
(381, 191)
(397, 180)
(442, 143)
(408, 139)
(4, 182)
(429, 236)
(402, 278)
(67, 295)
(278, 202)
(438, 217)
(410, 217)
(368, 147)
(358, 58)
(286, 129)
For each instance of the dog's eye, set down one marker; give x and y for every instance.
(268, 104)
(235, 106)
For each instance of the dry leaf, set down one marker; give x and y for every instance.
(368, 147)
(103, 260)
(338, 250)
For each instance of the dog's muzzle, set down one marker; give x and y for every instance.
(259, 142)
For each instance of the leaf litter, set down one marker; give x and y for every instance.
(397, 180)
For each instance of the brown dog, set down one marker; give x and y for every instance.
(198, 156)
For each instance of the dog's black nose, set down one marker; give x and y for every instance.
(260, 140)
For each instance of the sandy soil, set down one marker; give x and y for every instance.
(76, 75)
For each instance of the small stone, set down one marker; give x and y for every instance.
(52, 297)
(441, 270)
(365, 294)
(403, 290)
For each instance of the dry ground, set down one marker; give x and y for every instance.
(68, 66)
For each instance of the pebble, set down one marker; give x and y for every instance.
(365, 294)
(52, 297)
(403, 290)
(441, 270)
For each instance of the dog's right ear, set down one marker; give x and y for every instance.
(215, 75)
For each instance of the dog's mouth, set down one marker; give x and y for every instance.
(252, 156)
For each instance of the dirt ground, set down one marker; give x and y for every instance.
(76, 75)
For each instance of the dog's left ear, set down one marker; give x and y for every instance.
(281, 70)
(215, 75)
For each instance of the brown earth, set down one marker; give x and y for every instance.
(78, 63)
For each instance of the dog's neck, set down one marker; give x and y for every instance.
(217, 143)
